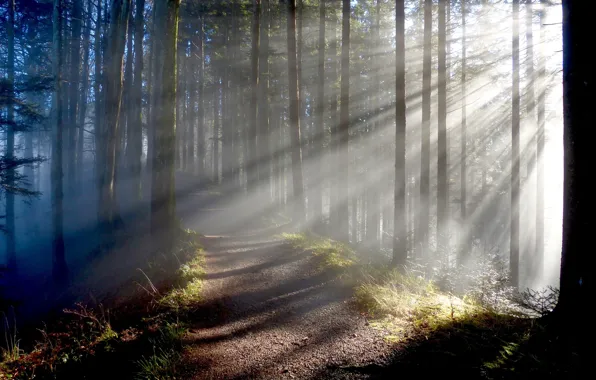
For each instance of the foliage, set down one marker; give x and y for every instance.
(143, 333)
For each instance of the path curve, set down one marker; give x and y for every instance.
(268, 313)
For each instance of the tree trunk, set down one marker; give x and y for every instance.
(83, 96)
(163, 200)
(463, 250)
(515, 153)
(75, 66)
(113, 97)
(135, 121)
(263, 112)
(424, 208)
(334, 144)
(10, 132)
(316, 191)
(539, 254)
(58, 258)
(577, 263)
(252, 164)
(298, 196)
(400, 253)
(344, 123)
(443, 184)
(201, 105)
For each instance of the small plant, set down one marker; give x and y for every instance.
(12, 351)
(540, 301)
(166, 346)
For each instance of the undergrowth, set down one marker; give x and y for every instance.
(142, 336)
(453, 316)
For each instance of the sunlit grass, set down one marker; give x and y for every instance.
(331, 254)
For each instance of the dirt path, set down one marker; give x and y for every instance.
(269, 314)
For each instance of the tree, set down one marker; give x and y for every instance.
(135, 122)
(163, 200)
(424, 209)
(344, 123)
(10, 133)
(297, 180)
(577, 279)
(316, 193)
(464, 131)
(443, 184)
(515, 155)
(400, 253)
(253, 163)
(74, 91)
(109, 216)
(541, 81)
(58, 258)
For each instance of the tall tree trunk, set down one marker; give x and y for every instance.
(539, 254)
(58, 258)
(424, 208)
(344, 122)
(113, 96)
(515, 153)
(334, 144)
(134, 150)
(83, 95)
(73, 96)
(263, 128)
(163, 199)
(297, 179)
(192, 101)
(443, 184)
(253, 164)
(577, 262)
(400, 253)
(10, 132)
(98, 96)
(316, 192)
(463, 250)
(201, 105)
(529, 249)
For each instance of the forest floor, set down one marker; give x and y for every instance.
(269, 312)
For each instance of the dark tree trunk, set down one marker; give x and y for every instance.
(298, 196)
(344, 123)
(83, 95)
(539, 254)
(577, 262)
(75, 66)
(443, 184)
(263, 127)
(163, 199)
(58, 258)
(109, 215)
(334, 144)
(10, 132)
(400, 253)
(424, 207)
(515, 154)
(252, 162)
(316, 194)
(135, 122)
(463, 250)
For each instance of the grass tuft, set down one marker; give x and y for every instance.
(331, 254)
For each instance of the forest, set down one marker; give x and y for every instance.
(313, 189)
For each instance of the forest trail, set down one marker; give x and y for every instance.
(268, 313)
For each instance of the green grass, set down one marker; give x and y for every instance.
(330, 253)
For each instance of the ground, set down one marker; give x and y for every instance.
(269, 312)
